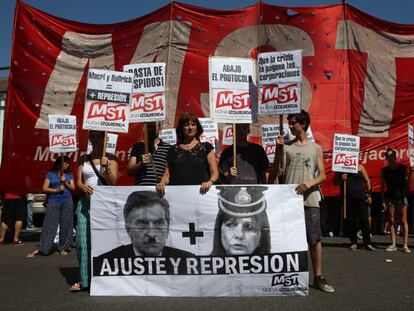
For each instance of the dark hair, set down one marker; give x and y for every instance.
(302, 118)
(389, 151)
(141, 199)
(264, 244)
(183, 120)
(58, 163)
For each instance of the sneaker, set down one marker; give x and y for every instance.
(321, 284)
(353, 247)
(359, 235)
(31, 228)
(406, 250)
(369, 247)
(391, 248)
(17, 242)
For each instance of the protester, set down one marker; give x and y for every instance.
(358, 195)
(149, 168)
(13, 215)
(190, 162)
(93, 170)
(242, 227)
(29, 207)
(58, 186)
(303, 165)
(251, 160)
(393, 195)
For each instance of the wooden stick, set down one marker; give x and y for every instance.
(146, 138)
(234, 146)
(61, 164)
(104, 144)
(345, 199)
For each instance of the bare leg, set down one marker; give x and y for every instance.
(4, 228)
(391, 220)
(17, 227)
(316, 254)
(404, 225)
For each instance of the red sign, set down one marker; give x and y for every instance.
(140, 102)
(234, 100)
(343, 159)
(282, 95)
(106, 111)
(352, 62)
(62, 140)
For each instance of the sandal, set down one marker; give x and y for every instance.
(75, 288)
(33, 254)
(62, 253)
(17, 242)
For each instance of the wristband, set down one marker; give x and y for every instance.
(211, 181)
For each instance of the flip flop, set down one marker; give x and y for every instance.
(75, 288)
(33, 254)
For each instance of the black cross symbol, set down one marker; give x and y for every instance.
(192, 234)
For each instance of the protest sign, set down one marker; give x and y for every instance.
(231, 81)
(169, 136)
(345, 153)
(227, 138)
(279, 79)
(108, 95)
(193, 252)
(411, 144)
(269, 134)
(210, 133)
(62, 133)
(148, 93)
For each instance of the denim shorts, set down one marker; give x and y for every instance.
(313, 225)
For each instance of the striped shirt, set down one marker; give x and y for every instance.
(146, 176)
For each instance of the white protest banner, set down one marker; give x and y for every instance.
(411, 144)
(345, 153)
(110, 144)
(227, 138)
(232, 89)
(193, 252)
(169, 136)
(269, 134)
(210, 133)
(148, 94)
(279, 79)
(108, 95)
(62, 133)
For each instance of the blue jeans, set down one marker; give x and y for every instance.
(29, 219)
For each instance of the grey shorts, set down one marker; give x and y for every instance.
(397, 202)
(313, 225)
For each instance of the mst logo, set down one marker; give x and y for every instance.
(228, 133)
(62, 140)
(109, 113)
(233, 100)
(143, 103)
(282, 95)
(285, 280)
(270, 149)
(343, 159)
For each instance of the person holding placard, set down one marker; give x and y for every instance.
(303, 165)
(252, 161)
(58, 185)
(148, 168)
(94, 170)
(393, 195)
(358, 194)
(190, 162)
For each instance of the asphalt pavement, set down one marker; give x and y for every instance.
(363, 280)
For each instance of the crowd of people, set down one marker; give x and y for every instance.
(192, 162)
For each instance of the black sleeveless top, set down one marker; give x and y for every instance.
(355, 186)
(189, 167)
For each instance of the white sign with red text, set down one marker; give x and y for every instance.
(411, 144)
(62, 133)
(227, 138)
(148, 94)
(210, 133)
(107, 99)
(279, 79)
(232, 81)
(345, 153)
(269, 134)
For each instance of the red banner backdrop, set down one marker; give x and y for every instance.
(357, 75)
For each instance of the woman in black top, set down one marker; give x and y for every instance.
(393, 194)
(358, 197)
(190, 162)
